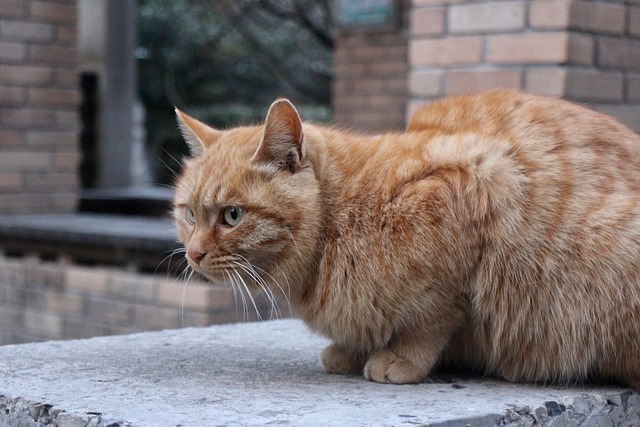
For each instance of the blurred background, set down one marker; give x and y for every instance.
(89, 144)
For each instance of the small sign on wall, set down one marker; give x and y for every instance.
(366, 14)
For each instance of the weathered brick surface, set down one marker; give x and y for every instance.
(550, 81)
(47, 300)
(593, 85)
(598, 17)
(586, 50)
(528, 48)
(619, 53)
(550, 14)
(39, 99)
(634, 21)
(487, 17)
(428, 21)
(455, 50)
(470, 81)
(369, 91)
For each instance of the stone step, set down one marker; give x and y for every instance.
(263, 373)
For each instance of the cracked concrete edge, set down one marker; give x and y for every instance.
(19, 412)
(613, 409)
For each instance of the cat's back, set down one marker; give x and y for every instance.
(560, 237)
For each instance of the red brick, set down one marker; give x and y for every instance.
(67, 79)
(133, 287)
(53, 97)
(469, 81)
(599, 17)
(110, 311)
(24, 74)
(550, 81)
(26, 31)
(347, 70)
(550, 14)
(197, 296)
(25, 161)
(53, 54)
(581, 49)
(66, 36)
(396, 86)
(53, 12)
(633, 88)
(634, 21)
(51, 138)
(25, 203)
(388, 69)
(426, 83)
(427, 21)
(84, 279)
(528, 48)
(63, 303)
(25, 117)
(436, 2)
(486, 17)
(10, 181)
(46, 325)
(10, 138)
(12, 95)
(621, 54)
(12, 8)
(448, 51)
(67, 120)
(157, 317)
(12, 52)
(66, 161)
(593, 85)
(66, 202)
(368, 86)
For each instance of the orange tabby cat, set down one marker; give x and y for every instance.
(499, 233)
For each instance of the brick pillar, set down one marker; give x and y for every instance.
(586, 51)
(39, 99)
(369, 87)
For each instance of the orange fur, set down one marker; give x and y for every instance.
(500, 233)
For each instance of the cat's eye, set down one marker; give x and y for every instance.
(232, 215)
(189, 215)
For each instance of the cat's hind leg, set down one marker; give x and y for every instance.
(337, 360)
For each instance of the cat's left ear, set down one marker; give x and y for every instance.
(197, 135)
(282, 142)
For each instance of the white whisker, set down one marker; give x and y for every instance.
(245, 309)
(274, 309)
(253, 301)
(286, 295)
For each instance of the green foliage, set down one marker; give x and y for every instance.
(224, 62)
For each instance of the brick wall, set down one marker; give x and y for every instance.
(39, 96)
(48, 300)
(369, 86)
(587, 51)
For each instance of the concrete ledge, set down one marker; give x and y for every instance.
(262, 373)
(89, 237)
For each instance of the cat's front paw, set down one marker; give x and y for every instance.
(335, 360)
(385, 366)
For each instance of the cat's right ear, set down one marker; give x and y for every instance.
(197, 135)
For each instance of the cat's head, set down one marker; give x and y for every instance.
(247, 199)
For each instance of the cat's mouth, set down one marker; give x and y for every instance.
(234, 268)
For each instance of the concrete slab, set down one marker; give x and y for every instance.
(258, 374)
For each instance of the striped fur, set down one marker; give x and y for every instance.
(499, 233)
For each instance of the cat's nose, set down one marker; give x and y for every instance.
(196, 256)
